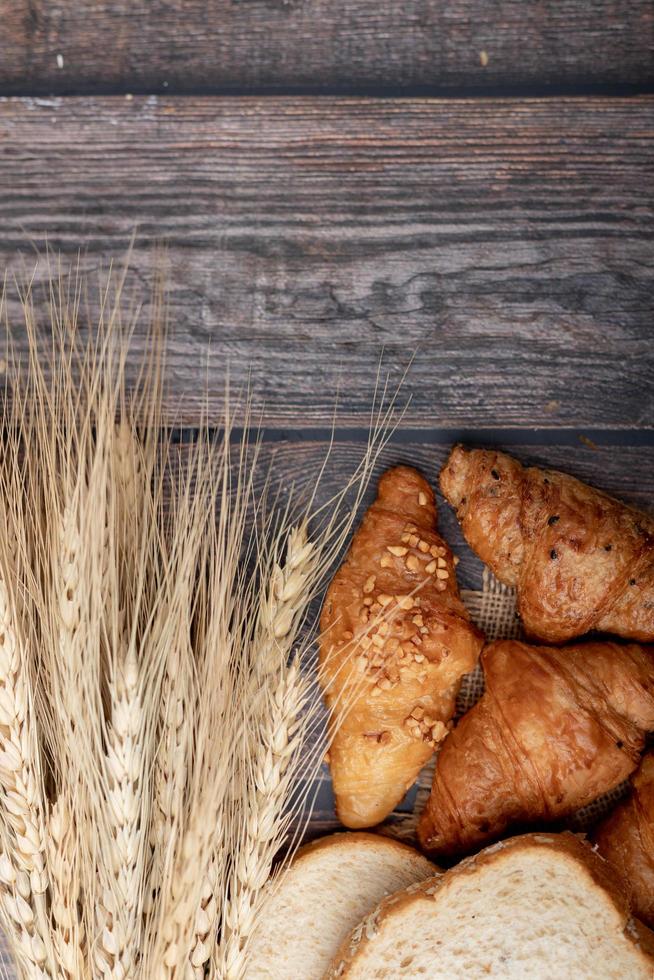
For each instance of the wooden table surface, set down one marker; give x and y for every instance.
(462, 188)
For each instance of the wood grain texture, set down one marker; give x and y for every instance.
(507, 244)
(351, 46)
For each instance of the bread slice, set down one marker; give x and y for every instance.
(537, 906)
(328, 888)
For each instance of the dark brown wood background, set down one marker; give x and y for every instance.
(469, 201)
(460, 188)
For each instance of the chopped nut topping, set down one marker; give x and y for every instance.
(438, 731)
(422, 499)
(378, 640)
(347, 635)
(398, 550)
(405, 601)
(442, 563)
(442, 573)
(413, 540)
(383, 599)
(385, 561)
(431, 567)
(421, 725)
(423, 546)
(412, 563)
(367, 601)
(370, 584)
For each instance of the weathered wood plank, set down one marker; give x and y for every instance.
(508, 244)
(322, 45)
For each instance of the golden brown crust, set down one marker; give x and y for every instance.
(346, 839)
(571, 847)
(579, 559)
(626, 840)
(395, 641)
(554, 730)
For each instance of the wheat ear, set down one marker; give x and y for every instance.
(17, 919)
(125, 762)
(276, 732)
(206, 917)
(116, 952)
(68, 930)
(21, 782)
(279, 740)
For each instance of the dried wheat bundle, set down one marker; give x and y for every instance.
(157, 720)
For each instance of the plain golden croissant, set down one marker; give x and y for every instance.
(626, 840)
(555, 729)
(395, 641)
(579, 559)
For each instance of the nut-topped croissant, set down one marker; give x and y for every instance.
(626, 840)
(580, 560)
(555, 729)
(395, 642)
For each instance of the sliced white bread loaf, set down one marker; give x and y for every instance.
(328, 888)
(543, 907)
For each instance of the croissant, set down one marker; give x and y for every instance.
(395, 642)
(626, 840)
(554, 730)
(579, 559)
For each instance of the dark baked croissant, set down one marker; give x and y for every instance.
(580, 560)
(555, 729)
(626, 840)
(395, 641)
